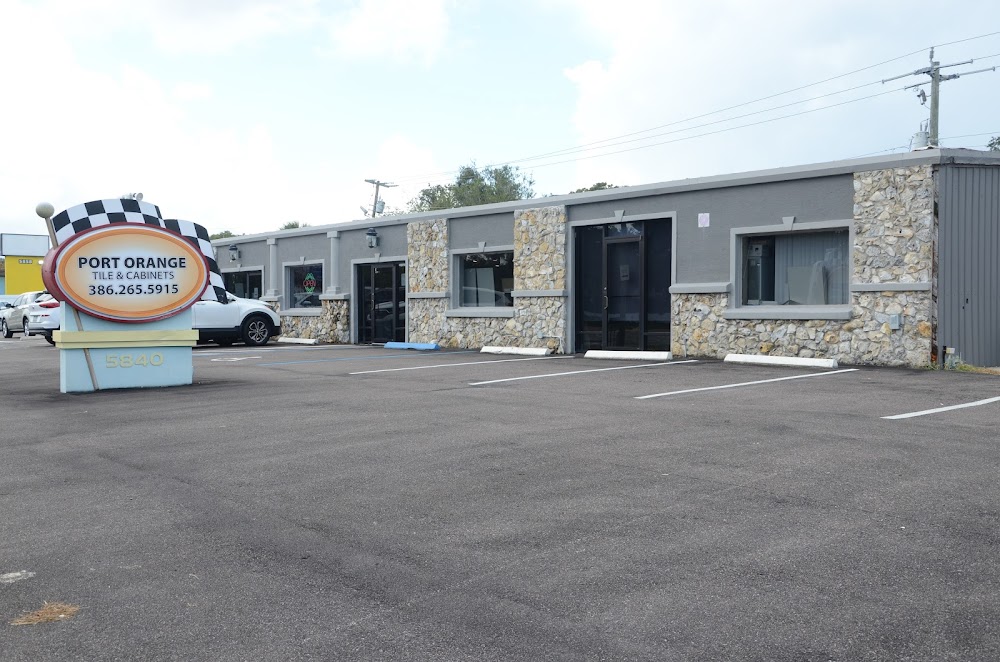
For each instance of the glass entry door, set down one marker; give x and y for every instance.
(623, 294)
(623, 277)
(381, 311)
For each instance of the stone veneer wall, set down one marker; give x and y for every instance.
(427, 255)
(539, 265)
(331, 325)
(895, 232)
(427, 271)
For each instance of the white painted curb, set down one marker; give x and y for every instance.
(755, 359)
(521, 351)
(298, 341)
(626, 355)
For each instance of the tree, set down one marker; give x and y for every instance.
(994, 144)
(291, 225)
(225, 234)
(473, 186)
(599, 186)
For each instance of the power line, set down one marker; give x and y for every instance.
(934, 71)
(892, 149)
(711, 133)
(727, 119)
(591, 145)
(375, 204)
(743, 126)
(699, 126)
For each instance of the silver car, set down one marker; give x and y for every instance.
(44, 317)
(14, 316)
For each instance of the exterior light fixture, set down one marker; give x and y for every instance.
(234, 252)
(372, 237)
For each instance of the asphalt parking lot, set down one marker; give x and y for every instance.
(358, 503)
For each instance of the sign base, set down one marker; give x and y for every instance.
(109, 355)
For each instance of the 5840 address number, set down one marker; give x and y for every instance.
(133, 360)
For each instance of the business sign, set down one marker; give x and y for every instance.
(25, 245)
(127, 272)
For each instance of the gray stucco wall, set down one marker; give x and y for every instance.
(312, 248)
(494, 229)
(253, 254)
(702, 254)
(969, 262)
(353, 246)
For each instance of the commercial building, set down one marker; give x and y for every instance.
(884, 261)
(23, 256)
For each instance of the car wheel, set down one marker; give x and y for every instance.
(7, 333)
(24, 326)
(256, 331)
(48, 339)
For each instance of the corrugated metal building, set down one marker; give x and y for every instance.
(969, 259)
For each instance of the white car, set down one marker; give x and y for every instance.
(44, 317)
(248, 320)
(13, 316)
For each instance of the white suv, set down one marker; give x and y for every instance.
(248, 320)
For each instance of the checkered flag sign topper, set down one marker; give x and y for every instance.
(108, 212)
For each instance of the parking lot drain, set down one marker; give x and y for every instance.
(50, 612)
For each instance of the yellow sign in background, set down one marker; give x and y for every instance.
(24, 274)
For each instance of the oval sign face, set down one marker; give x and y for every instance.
(127, 273)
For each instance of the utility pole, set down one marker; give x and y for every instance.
(378, 184)
(934, 71)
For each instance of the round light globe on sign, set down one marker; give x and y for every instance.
(45, 209)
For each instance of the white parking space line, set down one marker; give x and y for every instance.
(580, 372)
(925, 412)
(737, 385)
(222, 351)
(450, 365)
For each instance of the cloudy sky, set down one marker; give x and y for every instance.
(246, 114)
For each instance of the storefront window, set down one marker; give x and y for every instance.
(305, 284)
(487, 279)
(244, 284)
(796, 269)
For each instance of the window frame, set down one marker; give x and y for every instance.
(737, 239)
(286, 291)
(456, 260)
(243, 270)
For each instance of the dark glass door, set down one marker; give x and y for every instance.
(623, 294)
(385, 304)
(381, 303)
(589, 288)
(623, 278)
